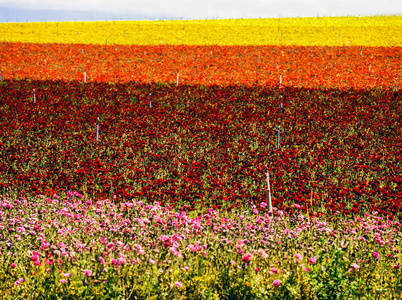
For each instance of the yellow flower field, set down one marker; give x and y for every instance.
(320, 31)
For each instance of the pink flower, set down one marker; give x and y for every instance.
(63, 281)
(312, 260)
(296, 205)
(34, 257)
(178, 284)
(355, 266)
(397, 266)
(262, 253)
(256, 270)
(375, 255)
(36, 262)
(122, 260)
(62, 245)
(298, 257)
(151, 261)
(186, 268)
(273, 271)
(67, 275)
(114, 261)
(13, 265)
(306, 269)
(20, 230)
(263, 204)
(21, 280)
(101, 260)
(87, 273)
(247, 257)
(276, 283)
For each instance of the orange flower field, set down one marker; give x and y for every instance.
(353, 67)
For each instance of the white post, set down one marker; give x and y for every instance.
(280, 81)
(97, 128)
(34, 96)
(177, 80)
(85, 76)
(370, 68)
(269, 201)
(281, 104)
(1, 76)
(277, 137)
(150, 101)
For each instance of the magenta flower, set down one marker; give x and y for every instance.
(13, 265)
(67, 275)
(276, 283)
(178, 284)
(34, 257)
(375, 255)
(273, 271)
(247, 257)
(87, 273)
(312, 260)
(63, 281)
(298, 257)
(355, 266)
(398, 266)
(20, 230)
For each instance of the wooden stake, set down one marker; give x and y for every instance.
(97, 129)
(278, 137)
(34, 96)
(269, 201)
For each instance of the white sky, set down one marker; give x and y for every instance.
(199, 9)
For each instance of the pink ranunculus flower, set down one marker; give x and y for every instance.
(355, 266)
(312, 260)
(87, 273)
(63, 281)
(13, 265)
(178, 284)
(247, 257)
(20, 230)
(276, 283)
(67, 275)
(262, 253)
(298, 257)
(375, 255)
(151, 261)
(34, 257)
(273, 271)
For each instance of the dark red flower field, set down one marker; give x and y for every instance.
(340, 150)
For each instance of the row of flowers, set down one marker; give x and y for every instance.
(325, 31)
(339, 152)
(78, 248)
(295, 66)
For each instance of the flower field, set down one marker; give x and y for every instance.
(137, 169)
(379, 31)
